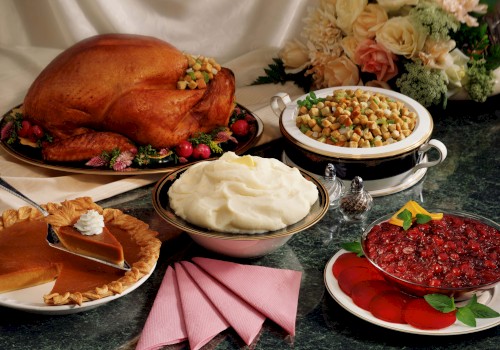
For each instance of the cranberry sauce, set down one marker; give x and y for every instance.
(454, 252)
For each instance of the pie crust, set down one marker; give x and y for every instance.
(140, 238)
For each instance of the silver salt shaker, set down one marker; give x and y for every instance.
(356, 203)
(333, 185)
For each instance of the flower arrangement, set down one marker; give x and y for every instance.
(425, 49)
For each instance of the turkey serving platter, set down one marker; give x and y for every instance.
(33, 156)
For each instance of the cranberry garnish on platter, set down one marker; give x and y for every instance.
(368, 290)
(419, 263)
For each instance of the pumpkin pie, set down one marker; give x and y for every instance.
(103, 246)
(27, 260)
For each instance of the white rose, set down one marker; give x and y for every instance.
(396, 5)
(347, 12)
(457, 70)
(369, 21)
(401, 37)
(294, 55)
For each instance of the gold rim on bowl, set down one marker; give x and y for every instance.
(419, 136)
(162, 207)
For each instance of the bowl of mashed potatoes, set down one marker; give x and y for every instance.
(240, 206)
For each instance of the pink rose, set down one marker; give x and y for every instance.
(375, 58)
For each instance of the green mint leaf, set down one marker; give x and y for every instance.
(423, 218)
(405, 215)
(466, 316)
(354, 247)
(472, 301)
(483, 311)
(406, 224)
(440, 302)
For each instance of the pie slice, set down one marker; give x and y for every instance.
(103, 246)
(27, 260)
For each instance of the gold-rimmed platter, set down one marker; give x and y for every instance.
(32, 156)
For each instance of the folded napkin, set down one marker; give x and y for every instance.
(214, 295)
(273, 292)
(203, 321)
(165, 323)
(244, 319)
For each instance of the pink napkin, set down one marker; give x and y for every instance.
(196, 301)
(202, 320)
(244, 319)
(273, 292)
(165, 323)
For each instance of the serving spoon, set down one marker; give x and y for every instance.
(52, 238)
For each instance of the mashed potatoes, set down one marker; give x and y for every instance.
(242, 194)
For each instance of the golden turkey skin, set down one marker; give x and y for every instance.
(124, 84)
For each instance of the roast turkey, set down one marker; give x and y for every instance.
(108, 90)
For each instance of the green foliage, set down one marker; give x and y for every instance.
(466, 314)
(354, 247)
(406, 216)
(423, 218)
(475, 43)
(208, 140)
(144, 155)
(310, 100)
(275, 74)
(479, 82)
(440, 302)
(426, 85)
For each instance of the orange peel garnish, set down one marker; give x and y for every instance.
(415, 209)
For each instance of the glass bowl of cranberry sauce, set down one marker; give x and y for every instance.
(457, 256)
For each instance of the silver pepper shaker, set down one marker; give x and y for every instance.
(333, 185)
(356, 203)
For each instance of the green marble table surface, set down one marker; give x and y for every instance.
(467, 181)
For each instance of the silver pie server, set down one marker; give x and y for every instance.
(52, 238)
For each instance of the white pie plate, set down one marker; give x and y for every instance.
(31, 299)
(490, 298)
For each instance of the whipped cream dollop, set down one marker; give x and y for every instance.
(246, 194)
(90, 223)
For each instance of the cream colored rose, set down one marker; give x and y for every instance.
(320, 29)
(369, 21)
(436, 54)
(401, 37)
(350, 44)
(340, 71)
(347, 12)
(395, 5)
(294, 55)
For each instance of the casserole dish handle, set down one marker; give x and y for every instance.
(279, 102)
(432, 144)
